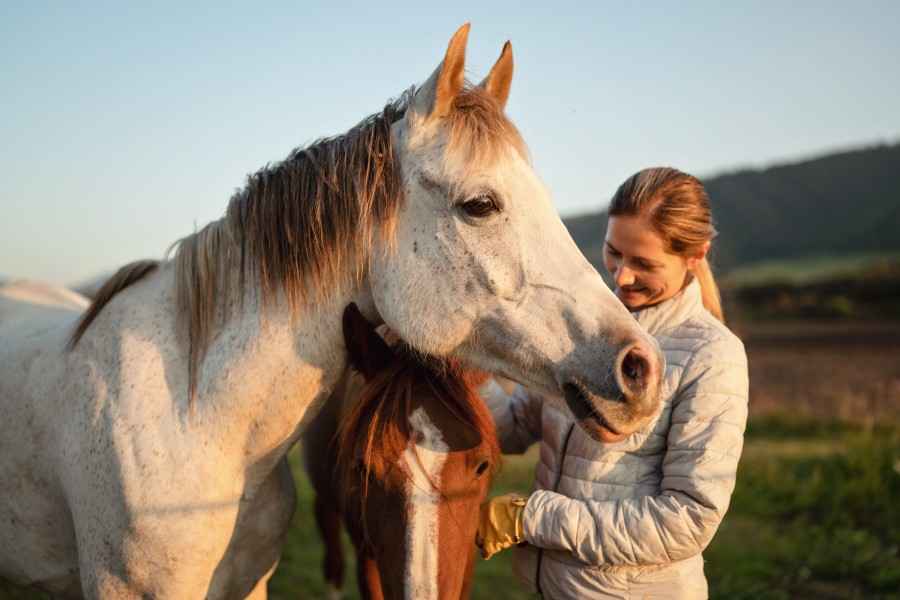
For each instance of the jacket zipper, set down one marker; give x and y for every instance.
(562, 462)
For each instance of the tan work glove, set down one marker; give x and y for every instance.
(500, 525)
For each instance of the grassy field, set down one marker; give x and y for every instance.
(846, 371)
(814, 515)
(816, 510)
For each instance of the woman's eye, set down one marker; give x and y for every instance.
(480, 207)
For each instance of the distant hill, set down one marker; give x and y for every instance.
(841, 204)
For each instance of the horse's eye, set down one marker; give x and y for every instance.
(480, 207)
(482, 468)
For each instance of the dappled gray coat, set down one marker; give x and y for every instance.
(630, 519)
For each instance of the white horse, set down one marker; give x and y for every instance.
(90, 288)
(20, 297)
(142, 455)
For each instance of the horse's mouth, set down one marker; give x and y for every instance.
(589, 418)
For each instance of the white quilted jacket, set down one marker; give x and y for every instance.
(630, 519)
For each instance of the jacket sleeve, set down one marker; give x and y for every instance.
(517, 416)
(704, 444)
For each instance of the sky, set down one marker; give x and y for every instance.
(126, 125)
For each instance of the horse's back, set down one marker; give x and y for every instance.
(39, 293)
(90, 287)
(35, 322)
(36, 537)
(20, 298)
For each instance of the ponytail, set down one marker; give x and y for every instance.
(709, 290)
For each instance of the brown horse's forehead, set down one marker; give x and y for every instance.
(456, 436)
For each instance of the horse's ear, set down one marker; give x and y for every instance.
(435, 98)
(499, 80)
(366, 350)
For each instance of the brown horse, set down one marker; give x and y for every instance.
(406, 466)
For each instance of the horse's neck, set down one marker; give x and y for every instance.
(262, 372)
(268, 372)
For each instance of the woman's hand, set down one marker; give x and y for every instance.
(500, 525)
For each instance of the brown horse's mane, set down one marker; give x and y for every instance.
(375, 431)
(305, 227)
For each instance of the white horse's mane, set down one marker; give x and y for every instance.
(305, 226)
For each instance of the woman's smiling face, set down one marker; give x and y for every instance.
(645, 273)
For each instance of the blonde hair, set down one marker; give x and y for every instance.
(677, 206)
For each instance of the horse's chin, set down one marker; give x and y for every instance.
(599, 431)
(592, 420)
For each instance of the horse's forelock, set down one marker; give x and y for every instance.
(376, 430)
(478, 129)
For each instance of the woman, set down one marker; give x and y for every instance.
(629, 519)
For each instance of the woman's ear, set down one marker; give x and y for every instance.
(699, 257)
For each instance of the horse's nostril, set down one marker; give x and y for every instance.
(635, 371)
(634, 366)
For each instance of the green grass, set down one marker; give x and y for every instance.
(813, 516)
(820, 523)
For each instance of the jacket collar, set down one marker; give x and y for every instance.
(672, 312)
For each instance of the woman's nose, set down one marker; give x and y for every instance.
(624, 276)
